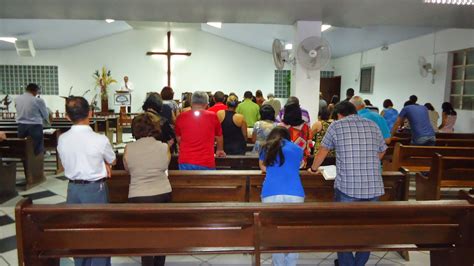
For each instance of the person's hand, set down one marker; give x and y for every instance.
(220, 153)
(3, 136)
(109, 170)
(313, 172)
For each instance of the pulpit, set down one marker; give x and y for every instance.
(124, 100)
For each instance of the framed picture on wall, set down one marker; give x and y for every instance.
(367, 79)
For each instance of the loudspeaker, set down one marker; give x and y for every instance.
(25, 48)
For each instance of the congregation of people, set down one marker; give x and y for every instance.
(203, 127)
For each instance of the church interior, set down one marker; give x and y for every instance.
(115, 54)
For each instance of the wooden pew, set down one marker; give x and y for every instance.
(7, 181)
(23, 150)
(46, 233)
(446, 171)
(441, 135)
(244, 186)
(418, 158)
(232, 162)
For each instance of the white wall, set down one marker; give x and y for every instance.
(397, 73)
(215, 64)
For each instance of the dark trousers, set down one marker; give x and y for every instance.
(162, 198)
(35, 131)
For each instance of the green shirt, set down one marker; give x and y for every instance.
(250, 111)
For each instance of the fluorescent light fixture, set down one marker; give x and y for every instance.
(8, 39)
(109, 20)
(288, 46)
(325, 27)
(215, 24)
(450, 2)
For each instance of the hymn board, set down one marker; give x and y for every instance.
(168, 55)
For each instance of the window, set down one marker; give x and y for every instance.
(282, 83)
(327, 74)
(14, 78)
(462, 80)
(367, 79)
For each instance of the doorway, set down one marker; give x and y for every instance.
(330, 87)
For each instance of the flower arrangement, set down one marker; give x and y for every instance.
(103, 80)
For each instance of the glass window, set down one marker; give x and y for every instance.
(458, 58)
(456, 88)
(458, 73)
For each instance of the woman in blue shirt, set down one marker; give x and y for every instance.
(280, 159)
(389, 113)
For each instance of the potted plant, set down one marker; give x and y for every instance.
(103, 80)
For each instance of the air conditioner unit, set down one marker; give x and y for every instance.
(25, 48)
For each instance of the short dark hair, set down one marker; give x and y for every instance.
(429, 106)
(146, 125)
(77, 108)
(248, 95)
(387, 103)
(219, 97)
(408, 103)
(153, 102)
(267, 112)
(167, 93)
(324, 114)
(258, 93)
(413, 99)
(350, 92)
(345, 109)
(293, 115)
(367, 102)
(32, 87)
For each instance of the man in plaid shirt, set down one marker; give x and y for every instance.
(359, 148)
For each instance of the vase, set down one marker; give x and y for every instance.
(104, 101)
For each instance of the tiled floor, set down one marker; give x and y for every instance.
(53, 191)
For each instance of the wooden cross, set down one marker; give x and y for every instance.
(168, 54)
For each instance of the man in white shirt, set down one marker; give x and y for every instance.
(30, 113)
(128, 86)
(86, 157)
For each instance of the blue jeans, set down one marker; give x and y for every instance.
(284, 259)
(347, 258)
(87, 194)
(424, 141)
(187, 166)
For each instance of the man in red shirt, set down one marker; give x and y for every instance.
(196, 131)
(219, 100)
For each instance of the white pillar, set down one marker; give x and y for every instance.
(305, 84)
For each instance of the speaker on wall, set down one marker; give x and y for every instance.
(25, 48)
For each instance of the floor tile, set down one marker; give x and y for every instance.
(39, 195)
(5, 220)
(7, 244)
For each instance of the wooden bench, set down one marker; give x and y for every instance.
(441, 135)
(418, 158)
(7, 181)
(46, 233)
(447, 172)
(244, 186)
(17, 149)
(231, 162)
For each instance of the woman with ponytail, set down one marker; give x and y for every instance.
(448, 118)
(280, 160)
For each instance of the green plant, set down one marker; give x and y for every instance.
(103, 80)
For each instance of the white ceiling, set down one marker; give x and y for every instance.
(340, 13)
(54, 34)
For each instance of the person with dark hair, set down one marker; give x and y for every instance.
(434, 116)
(370, 106)
(86, 157)
(234, 128)
(154, 105)
(249, 109)
(186, 102)
(263, 127)
(322, 103)
(167, 94)
(147, 161)
(332, 105)
(219, 99)
(389, 113)
(30, 113)
(448, 118)
(359, 147)
(197, 130)
(259, 98)
(413, 99)
(422, 133)
(319, 129)
(299, 130)
(280, 161)
(304, 112)
(349, 94)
